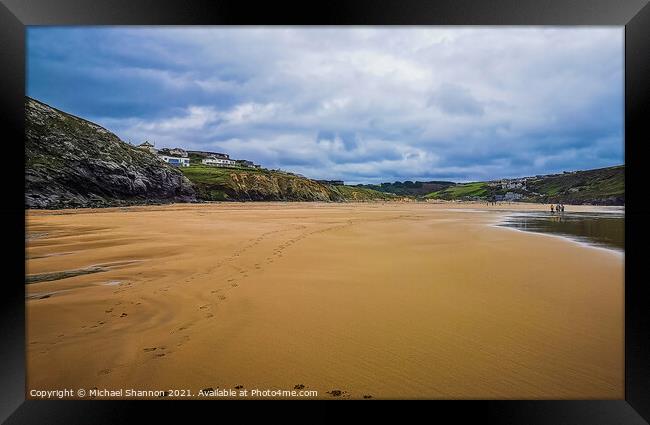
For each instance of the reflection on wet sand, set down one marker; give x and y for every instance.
(604, 229)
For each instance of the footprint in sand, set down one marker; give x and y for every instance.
(183, 340)
(123, 315)
(104, 372)
(151, 349)
(336, 393)
(367, 396)
(222, 297)
(203, 307)
(234, 285)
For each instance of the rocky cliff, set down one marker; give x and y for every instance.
(71, 162)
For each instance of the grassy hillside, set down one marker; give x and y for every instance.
(355, 193)
(603, 186)
(408, 188)
(250, 184)
(461, 191)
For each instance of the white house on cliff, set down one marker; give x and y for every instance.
(176, 161)
(218, 162)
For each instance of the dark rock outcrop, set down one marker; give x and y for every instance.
(71, 162)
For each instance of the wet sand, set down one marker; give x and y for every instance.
(382, 300)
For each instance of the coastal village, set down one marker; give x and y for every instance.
(516, 189)
(179, 157)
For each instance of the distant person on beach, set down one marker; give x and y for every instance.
(562, 205)
(552, 209)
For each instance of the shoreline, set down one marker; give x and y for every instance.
(353, 202)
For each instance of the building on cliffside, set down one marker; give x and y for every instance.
(332, 182)
(512, 196)
(149, 147)
(208, 154)
(218, 162)
(176, 161)
(178, 152)
(246, 163)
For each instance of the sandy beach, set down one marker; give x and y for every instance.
(381, 300)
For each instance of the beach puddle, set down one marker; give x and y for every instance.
(601, 229)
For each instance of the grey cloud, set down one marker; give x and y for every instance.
(354, 103)
(455, 100)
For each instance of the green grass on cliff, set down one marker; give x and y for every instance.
(210, 174)
(237, 183)
(354, 193)
(254, 184)
(582, 185)
(214, 183)
(478, 189)
(603, 186)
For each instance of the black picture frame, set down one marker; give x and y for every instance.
(15, 15)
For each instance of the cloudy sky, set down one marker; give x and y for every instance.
(362, 104)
